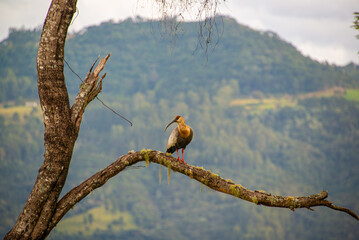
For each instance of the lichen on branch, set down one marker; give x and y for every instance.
(200, 174)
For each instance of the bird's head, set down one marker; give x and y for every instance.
(177, 119)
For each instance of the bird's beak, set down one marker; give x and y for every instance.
(174, 120)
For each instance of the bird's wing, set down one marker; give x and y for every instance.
(172, 141)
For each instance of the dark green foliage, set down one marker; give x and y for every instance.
(297, 150)
(18, 52)
(21, 147)
(18, 65)
(142, 60)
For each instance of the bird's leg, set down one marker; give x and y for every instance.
(177, 155)
(183, 155)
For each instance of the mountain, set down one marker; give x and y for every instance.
(142, 59)
(263, 115)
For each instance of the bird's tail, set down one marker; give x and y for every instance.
(171, 149)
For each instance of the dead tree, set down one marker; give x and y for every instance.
(43, 209)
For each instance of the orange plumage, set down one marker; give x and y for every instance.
(180, 137)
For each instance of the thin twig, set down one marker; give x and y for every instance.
(114, 111)
(97, 97)
(73, 70)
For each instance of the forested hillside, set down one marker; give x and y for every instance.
(263, 115)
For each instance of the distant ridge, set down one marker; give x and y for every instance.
(142, 59)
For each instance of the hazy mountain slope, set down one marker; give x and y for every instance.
(300, 148)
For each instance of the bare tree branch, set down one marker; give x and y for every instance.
(207, 178)
(89, 89)
(87, 76)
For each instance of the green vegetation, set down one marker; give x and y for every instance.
(96, 219)
(263, 115)
(20, 112)
(352, 94)
(258, 105)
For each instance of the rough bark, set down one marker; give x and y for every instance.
(61, 122)
(34, 221)
(56, 110)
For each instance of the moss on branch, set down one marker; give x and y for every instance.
(200, 174)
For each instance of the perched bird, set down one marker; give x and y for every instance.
(180, 137)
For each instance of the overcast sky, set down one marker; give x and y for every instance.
(320, 29)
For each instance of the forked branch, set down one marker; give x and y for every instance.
(89, 89)
(198, 173)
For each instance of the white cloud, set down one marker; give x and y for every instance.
(321, 29)
(21, 13)
(328, 53)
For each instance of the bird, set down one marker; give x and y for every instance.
(180, 137)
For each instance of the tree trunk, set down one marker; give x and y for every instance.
(60, 133)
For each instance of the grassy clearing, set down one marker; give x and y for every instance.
(352, 95)
(334, 91)
(244, 101)
(96, 219)
(253, 104)
(22, 111)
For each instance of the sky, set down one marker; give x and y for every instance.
(320, 29)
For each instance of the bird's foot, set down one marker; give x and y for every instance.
(180, 160)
